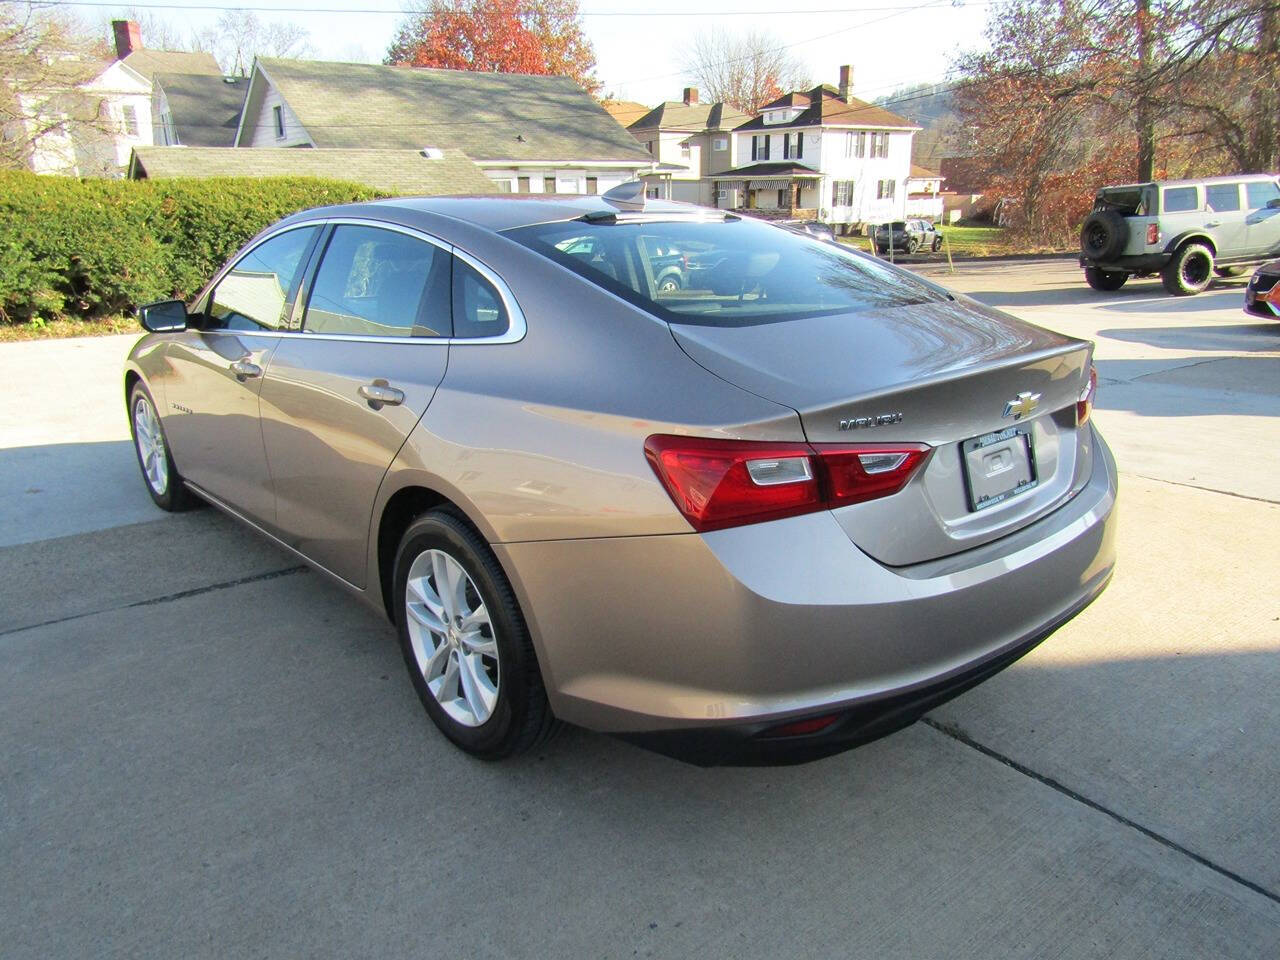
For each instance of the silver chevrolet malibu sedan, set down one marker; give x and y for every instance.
(666, 472)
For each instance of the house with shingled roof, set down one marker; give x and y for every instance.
(399, 172)
(92, 114)
(196, 110)
(529, 134)
(691, 141)
(821, 154)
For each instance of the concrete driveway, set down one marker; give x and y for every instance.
(206, 751)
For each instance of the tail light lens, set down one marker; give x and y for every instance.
(1153, 234)
(727, 483)
(1084, 405)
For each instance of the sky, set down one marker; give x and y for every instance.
(638, 47)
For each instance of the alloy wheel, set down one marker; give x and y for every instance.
(150, 441)
(452, 637)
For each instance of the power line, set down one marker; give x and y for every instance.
(403, 11)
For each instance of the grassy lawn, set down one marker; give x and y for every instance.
(976, 242)
(55, 329)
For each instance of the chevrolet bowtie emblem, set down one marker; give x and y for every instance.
(1023, 405)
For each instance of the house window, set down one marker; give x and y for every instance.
(649, 146)
(548, 184)
(593, 186)
(684, 150)
(130, 124)
(885, 189)
(792, 150)
(277, 113)
(760, 147)
(721, 195)
(504, 186)
(842, 193)
(880, 145)
(720, 143)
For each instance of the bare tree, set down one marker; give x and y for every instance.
(239, 36)
(44, 58)
(744, 70)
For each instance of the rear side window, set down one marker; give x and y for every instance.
(1260, 194)
(257, 292)
(1222, 197)
(729, 273)
(478, 310)
(379, 283)
(1180, 200)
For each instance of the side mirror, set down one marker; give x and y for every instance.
(166, 316)
(1273, 203)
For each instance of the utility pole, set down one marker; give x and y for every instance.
(1146, 125)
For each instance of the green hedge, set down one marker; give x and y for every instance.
(92, 248)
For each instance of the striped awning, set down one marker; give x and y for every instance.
(770, 184)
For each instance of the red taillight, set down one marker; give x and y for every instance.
(726, 483)
(800, 728)
(1153, 234)
(1084, 405)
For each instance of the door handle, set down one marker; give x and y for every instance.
(380, 394)
(244, 369)
(1214, 223)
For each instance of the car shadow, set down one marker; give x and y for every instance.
(1251, 336)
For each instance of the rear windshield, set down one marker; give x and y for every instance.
(730, 273)
(1131, 201)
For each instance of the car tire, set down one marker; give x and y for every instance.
(468, 650)
(1106, 280)
(669, 284)
(937, 244)
(151, 446)
(913, 245)
(1104, 235)
(1189, 272)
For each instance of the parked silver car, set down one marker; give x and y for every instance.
(767, 515)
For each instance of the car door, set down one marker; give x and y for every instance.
(1262, 221)
(1225, 219)
(345, 390)
(215, 370)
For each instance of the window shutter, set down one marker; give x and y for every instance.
(799, 145)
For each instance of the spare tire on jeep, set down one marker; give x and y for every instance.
(1104, 235)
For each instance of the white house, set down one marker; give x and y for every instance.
(821, 154)
(83, 118)
(529, 134)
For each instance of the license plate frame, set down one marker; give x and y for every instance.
(1018, 442)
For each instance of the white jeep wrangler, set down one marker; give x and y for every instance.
(1185, 230)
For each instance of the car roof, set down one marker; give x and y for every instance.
(503, 211)
(1194, 181)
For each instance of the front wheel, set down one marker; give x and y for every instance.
(913, 245)
(1190, 270)
(1105, 279)
(465, 641)
(162, 479)
(937, 244)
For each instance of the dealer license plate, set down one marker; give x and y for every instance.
(998, 466)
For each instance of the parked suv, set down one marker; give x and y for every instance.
(1185, 230)
(907, 235)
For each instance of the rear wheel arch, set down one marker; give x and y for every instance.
(1177, 243)
(401, 509)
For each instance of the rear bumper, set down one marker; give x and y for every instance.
(696, 644)
(1138, 263)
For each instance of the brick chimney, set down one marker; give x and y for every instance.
(128, 37)
(690, 96)
(846, 83)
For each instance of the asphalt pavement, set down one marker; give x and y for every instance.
(207, 751)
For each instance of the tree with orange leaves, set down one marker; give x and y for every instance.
(498, 36)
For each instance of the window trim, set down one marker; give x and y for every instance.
(277, 116)
(514, 333)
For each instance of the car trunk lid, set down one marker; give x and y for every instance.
(941, 373)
